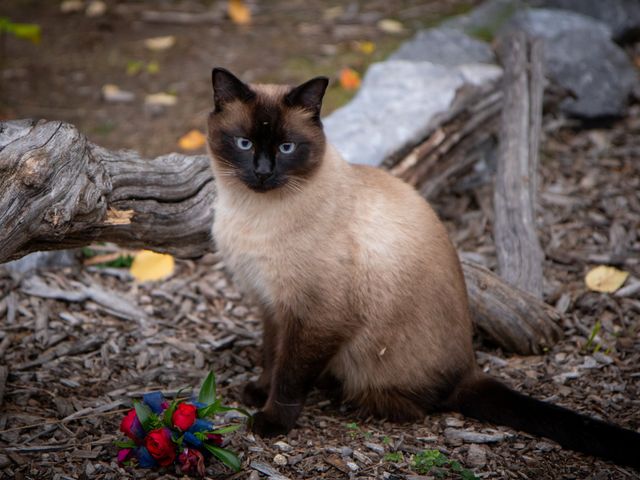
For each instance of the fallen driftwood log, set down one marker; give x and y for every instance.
(518, 249)
(58, 190)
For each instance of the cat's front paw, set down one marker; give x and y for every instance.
(254, 395)
(266, 426)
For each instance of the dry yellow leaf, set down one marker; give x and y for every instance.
(238, 12)
(148, 266)
(366, 47)
(162, 99)
(192, 140)
(388, 25)
(160, 43)
(605, 279)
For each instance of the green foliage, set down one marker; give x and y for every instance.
(225, 456)
(125, 444)
(24, 31)
(435, 463)
(393, 457)
(592, 336)
(148, 419)
(123, 261)
(207, 393)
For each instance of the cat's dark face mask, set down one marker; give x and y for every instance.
(266, 136)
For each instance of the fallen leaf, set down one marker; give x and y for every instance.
(162, 99)
(97, 8)
(365, 47)
(238, 12)
(388, 25)
(149, 266)
(113, 93)
(71, 6)
(605, 279)
(153, 67)
(134, 67)
(160, 43)
(192, 140)
(349, 79)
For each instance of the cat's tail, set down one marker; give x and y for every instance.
(486, 399)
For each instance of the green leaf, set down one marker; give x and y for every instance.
(25, 31)
(227, 429)
(216, 407)
(144, 413)
(125, 444)
(230, 459)
(207, 393)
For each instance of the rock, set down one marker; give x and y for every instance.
(621, 16)
(600, 78)
(548, 23)
(476, 456)
(444, 46)
(254, 476)
(485, 20)
(283, 446)
(346, 451)
(280, 459)
(395, 106)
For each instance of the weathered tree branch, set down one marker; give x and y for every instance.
(518, 249)
(460, 140)
(57, 190)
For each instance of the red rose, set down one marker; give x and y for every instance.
(160, 446)
(191, 461)
(184, 416)
(132, 427)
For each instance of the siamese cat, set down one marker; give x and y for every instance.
(357, 278)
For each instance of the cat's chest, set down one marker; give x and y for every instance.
(262, 260)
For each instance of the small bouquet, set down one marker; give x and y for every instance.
(180, 433)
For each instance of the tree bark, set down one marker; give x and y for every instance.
(518, 249)
(461, 139)
(58, 190)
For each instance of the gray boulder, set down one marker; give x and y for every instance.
(581, 57)
(596, 70)
(548, 22)
(621, 16)
(396, 106)
(486, 19)
(445, 46)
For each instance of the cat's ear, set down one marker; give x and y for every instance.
(308, 95)
(227, 87)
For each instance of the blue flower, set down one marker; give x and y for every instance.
(201, 425)
(190, 439)
(154, 401)
(145, 460)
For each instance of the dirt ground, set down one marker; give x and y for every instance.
(75, 363)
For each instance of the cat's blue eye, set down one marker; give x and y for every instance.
(243, 143)
(287, 147)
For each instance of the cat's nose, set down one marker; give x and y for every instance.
(263, 169)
